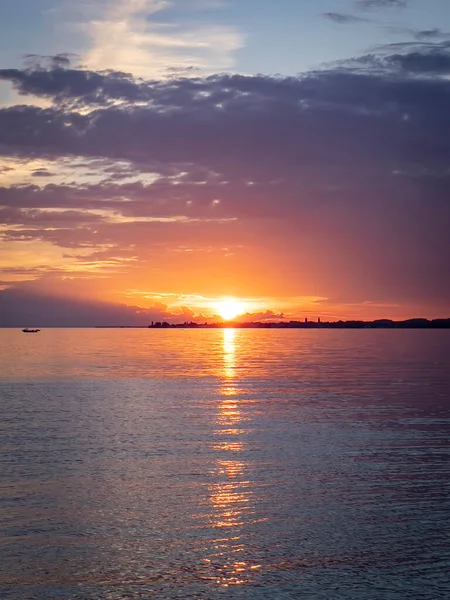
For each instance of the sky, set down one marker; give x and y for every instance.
(161, 157)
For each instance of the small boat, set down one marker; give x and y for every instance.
(26, 330)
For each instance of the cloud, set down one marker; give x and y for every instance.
(151, 42)
(42, 173)
(431, 35)
(63, 84)
(375, 4)
(421, 37)
(344, 19)
(331, 184)
(410, 59)
(267, 315)
(432, 63)
(56, 61)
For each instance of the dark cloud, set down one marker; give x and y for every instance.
(41, 218)
(430, 34)
(63, 84)
(55, 61)
(374, 4)
(431, 63)
(344, 19)
(42, 173)
(254, 114)
(410, 59)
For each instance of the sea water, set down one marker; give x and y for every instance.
(204, 464)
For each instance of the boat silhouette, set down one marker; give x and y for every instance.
(26, 330)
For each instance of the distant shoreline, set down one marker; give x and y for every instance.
(377, 324)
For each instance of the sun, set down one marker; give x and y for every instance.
(229, 308)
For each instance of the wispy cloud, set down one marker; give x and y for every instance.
(374, 4)
(431, 35)
(344, 19)
(135, 37)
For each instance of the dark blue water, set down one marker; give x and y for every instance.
(225, 464)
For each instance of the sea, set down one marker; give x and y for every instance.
(225, 463)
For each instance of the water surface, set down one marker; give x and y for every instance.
(225, 464)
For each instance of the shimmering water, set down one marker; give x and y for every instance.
(225, 464)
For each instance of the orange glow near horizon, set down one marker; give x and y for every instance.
(229, 308)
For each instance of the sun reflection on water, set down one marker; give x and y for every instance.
(229, 361)
(231, 495)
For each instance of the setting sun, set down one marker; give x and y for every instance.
(229, 308)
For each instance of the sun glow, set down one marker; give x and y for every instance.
(229, 308)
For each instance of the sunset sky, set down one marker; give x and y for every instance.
(158, 156)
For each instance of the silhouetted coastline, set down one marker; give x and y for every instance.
(307, 324)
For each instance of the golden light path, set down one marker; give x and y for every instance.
(231, 496)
